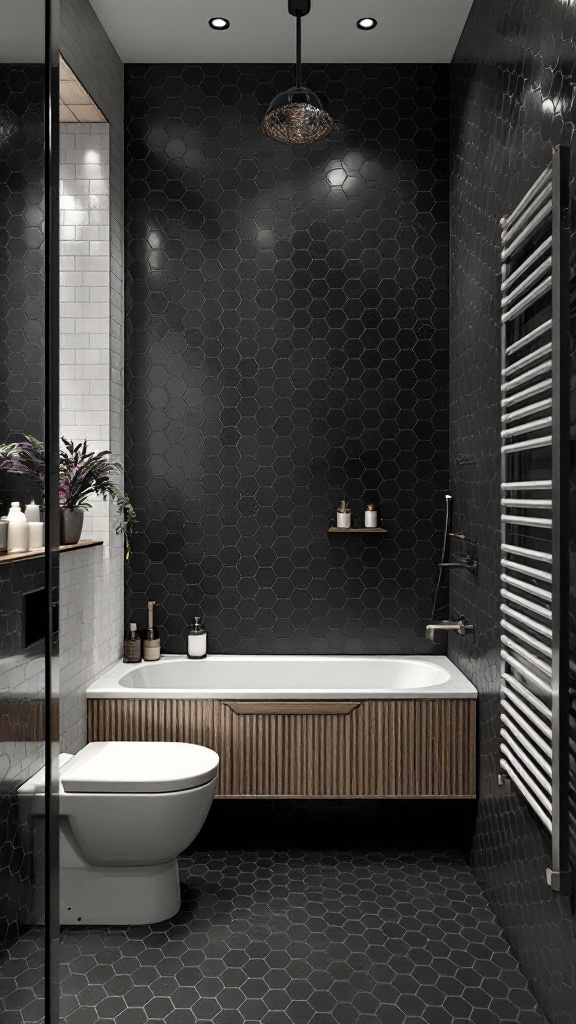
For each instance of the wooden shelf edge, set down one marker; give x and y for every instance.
(357, 529)
(20, 556)
(81, 544)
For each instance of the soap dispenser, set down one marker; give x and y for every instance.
(197, 639)
(151, 641)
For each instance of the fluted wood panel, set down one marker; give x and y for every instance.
(379, 748)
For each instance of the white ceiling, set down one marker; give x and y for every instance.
(262, 31)
(21, 31)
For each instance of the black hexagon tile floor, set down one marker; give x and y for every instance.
(297, 938)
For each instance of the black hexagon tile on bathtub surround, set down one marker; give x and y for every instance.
(298, 938)
(286, 348)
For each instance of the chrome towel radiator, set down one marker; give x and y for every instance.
(535, 481)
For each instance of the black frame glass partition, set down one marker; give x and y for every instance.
(52, 511)
(29, 390)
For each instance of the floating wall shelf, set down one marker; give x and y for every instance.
(39, 552)
(357, 529)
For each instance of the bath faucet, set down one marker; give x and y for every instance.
(459, 626)
(469, 563)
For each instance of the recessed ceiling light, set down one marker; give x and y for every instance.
(367, 23)
(219, 23)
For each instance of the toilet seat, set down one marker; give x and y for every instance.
(139, 767)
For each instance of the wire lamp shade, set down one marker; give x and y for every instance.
(297, 116)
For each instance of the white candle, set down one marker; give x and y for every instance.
(35, 535)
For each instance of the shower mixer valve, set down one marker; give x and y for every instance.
(468, 562)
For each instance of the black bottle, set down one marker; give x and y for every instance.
(132, 645)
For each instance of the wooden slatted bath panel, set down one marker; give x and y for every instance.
(345, 749)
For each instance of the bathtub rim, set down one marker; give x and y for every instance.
(107, 684)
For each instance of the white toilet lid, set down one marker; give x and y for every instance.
(133, 767)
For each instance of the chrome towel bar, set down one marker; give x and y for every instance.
(539, 184)
(523, 485)
(527, 695)
(531, 336)
(529, 375)
(516, 414)
(528, 231)
(546, 244)
(521, 288)
(512, 230)
(523, 602)
(532, 357)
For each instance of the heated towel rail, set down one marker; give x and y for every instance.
(535, 473)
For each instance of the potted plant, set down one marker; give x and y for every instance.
(343, 515)
(81, 473)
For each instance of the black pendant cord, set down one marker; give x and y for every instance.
(299, 51)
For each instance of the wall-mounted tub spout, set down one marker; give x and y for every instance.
(459, 626)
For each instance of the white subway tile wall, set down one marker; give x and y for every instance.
(91, 355)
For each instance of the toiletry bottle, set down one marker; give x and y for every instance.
(17, 529)
(151, 642)
(370, 516)
(132, 645)
(32, 512)
(197, 639)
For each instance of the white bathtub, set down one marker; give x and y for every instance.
(290, 677)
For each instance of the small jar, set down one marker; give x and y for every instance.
(132, 645)
(197, 646)
(370, 516)
(35, 535)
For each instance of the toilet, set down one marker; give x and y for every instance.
(127, 810)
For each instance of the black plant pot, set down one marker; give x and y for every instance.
(71, 522)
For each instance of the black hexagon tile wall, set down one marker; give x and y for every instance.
(287, 347)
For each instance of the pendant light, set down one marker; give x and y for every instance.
(297, 115)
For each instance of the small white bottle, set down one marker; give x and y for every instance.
(32, 512)
(17, 529)
(197, 639)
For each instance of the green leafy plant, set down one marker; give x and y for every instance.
(343, 507)
(81, 473)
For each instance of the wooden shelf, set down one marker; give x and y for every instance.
(357, 529)
(39, 552)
